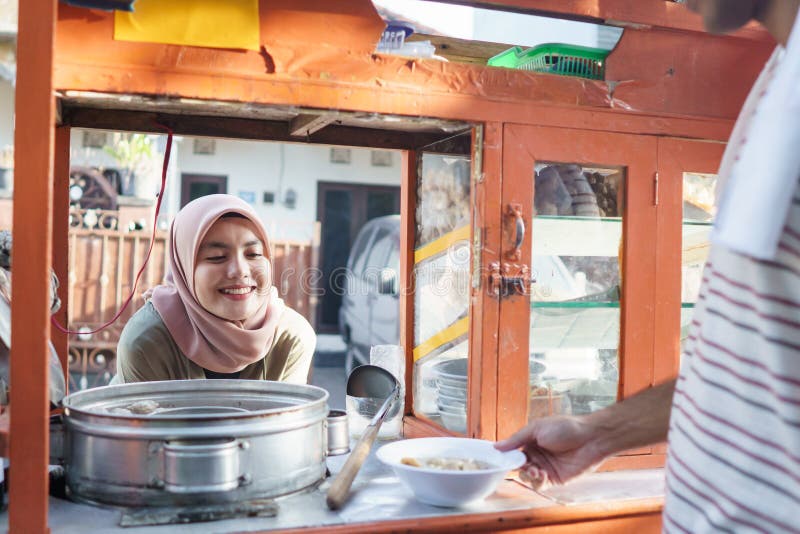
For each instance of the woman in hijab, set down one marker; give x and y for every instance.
(218, 315)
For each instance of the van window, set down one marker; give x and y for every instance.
(394, 255)
(379, 251)
(357, 255)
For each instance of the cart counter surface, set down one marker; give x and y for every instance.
(380, 502)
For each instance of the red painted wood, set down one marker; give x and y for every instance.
(408, 227)
(675, 156)
(484, 313)
(33, 212)
(61, 241)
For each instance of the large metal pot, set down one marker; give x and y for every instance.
(205, 441)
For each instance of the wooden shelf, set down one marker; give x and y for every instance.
(461, 50)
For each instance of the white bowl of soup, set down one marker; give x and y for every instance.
(449, 472)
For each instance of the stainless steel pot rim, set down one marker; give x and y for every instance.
(294, 397)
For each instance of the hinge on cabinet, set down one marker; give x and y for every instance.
(655, 189)
(509, 279)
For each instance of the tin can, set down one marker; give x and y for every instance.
(338, 433)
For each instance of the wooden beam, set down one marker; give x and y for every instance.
(60, 248)
(408, 225)
(305, 125)
(35, 111)
(234, 128)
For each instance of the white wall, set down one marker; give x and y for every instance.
(253, 166)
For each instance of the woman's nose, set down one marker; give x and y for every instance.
(237, 267)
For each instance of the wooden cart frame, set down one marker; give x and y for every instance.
(675, 89)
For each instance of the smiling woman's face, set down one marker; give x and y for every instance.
(231, 272)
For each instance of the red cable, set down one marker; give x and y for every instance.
(149, 249)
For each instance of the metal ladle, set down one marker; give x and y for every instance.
(371, 382)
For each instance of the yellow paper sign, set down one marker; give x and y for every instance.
(208, 23)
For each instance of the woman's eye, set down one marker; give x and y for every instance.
(254, 255)
(215, 258)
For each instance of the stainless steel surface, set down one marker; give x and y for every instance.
(194, 466)
(338, 433)
(204, 441)
(378, 496)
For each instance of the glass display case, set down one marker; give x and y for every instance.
(699, 208)
(575, 291)
(441, 298)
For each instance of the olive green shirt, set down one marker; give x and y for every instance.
(146, 352)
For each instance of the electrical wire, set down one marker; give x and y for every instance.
(167, 152)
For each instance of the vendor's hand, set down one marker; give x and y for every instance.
(557, 448)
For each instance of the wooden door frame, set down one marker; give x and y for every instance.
(675, 156)
(524, 146)
(188, 178)
(325, 185)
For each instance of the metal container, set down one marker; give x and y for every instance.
(199, 442)
(338, 434)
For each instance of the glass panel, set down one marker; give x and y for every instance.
(699, 208)
(575, 313)
(441, 299)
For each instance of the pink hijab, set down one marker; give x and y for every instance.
(213, 343)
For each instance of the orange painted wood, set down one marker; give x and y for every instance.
(485, 308)
(640, 516)
(61, 241)
(408, 228)
(675, 156)
(513, 385)
(30, 284)
(523, 147)
(340, 73)
(654, 70)
(422, 427)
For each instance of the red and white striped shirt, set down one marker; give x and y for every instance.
(734, 441)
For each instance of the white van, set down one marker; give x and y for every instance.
(370, 301)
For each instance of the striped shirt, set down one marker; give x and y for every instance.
(734, 441)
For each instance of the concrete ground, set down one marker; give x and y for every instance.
(328, 368)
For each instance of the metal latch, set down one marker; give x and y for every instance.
(509, 279)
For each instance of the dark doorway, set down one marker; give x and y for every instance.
(199, 185)
(342, 210)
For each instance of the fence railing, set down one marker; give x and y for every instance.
(103, 263)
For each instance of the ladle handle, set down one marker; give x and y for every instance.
(340, 488)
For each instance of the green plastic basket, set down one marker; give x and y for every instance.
(552, 58)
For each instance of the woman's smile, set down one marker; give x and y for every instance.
(232, 272)
(238, 292)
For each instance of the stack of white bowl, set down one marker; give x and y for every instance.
(451, 393)
(451, 390)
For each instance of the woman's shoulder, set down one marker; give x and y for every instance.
(293, 325)
(145, 325)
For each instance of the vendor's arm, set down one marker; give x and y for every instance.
(560, 448)
(146, 351)
(290, 358)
